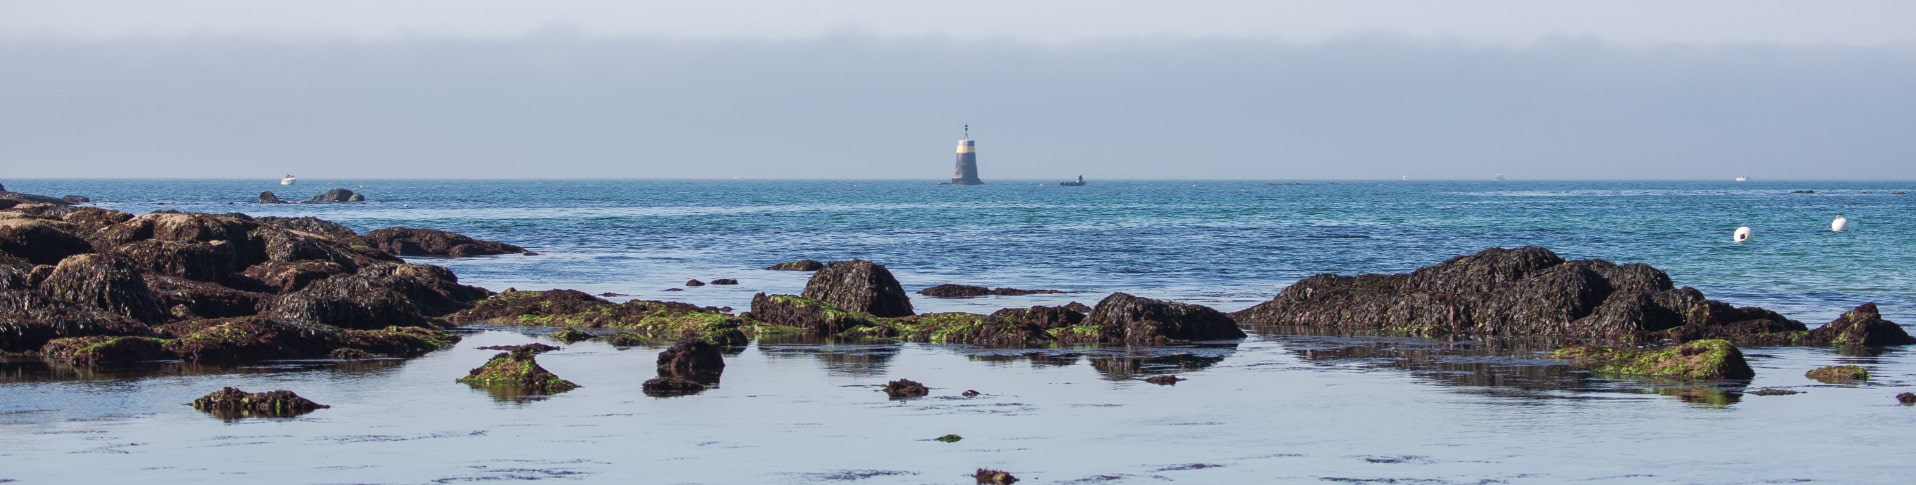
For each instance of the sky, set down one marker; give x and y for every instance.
(1206, 89)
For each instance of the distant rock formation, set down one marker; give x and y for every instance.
(268, 197)
(412, 241)
(338, 195)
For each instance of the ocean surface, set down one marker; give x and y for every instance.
(1271, 408)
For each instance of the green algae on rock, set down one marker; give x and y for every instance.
(570, 335)
(904, 388)
(232, 403)
(517, 373)
(658, 321)
(254, 338)
(102, 350)
(950, 438)
(1838, 374)
(1696, 360)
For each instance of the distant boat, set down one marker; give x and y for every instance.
(288, 179)
(1499, 177)
(1077, 183)
(1741, 178)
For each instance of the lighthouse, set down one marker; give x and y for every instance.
(967, 171)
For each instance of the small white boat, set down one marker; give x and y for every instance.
(288, 179)
(1499, 177)
(1741, 178)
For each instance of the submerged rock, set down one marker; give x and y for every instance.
(1906, 398)
(671, 387)
(1862, 326)
(570, 335)
(859, 286)
(234, 403)
(412, 241)
(969, 291)
(724, 281)
(535, 348)
(1164, 380)
(517, 371)
(799, 265)
(904, 388)
(1838, 374)
(1695, 360)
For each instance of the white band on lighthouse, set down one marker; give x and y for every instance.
(965, 148)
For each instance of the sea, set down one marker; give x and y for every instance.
(1276, 407)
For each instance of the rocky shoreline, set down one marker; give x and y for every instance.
(84, 286)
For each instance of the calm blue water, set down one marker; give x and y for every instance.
(1273, 408)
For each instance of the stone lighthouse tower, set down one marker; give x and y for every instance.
(967, 172)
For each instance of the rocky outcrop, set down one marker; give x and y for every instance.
(859, 286)
(661, 321)
(904, 388)
(1523, 292)
(969, 291)
(17, 198)
(1863, 326)
(411, 241)
(338, 195)
(106, 282)
(1838, 374)
(517, 373)
(808, 316)
(268, 197)
(1144, 321)
(799, 265)
(1697, 360)
(690, 358)
(29, 319)
(234, 403)
(254, 338)
(694, 283)
(103, 350)
(40, 241)
(349, 301)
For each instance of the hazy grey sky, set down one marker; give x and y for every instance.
(878, 89)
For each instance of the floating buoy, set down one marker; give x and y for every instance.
(1840, 224)
(1742, 234)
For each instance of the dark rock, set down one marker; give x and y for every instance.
(105, 282)
(178, 227)
(312, 225)
(195, 260)
(653, 320)
(202, 299)
(535, 347)
(353, 354)
(994, 477)
(40, 241)
(1164, 380)
(76, 199)
(287, 277)
(1838, 374)
(234, 403)
(409, 241)
(1144, 321)
(1775, 392)
(694, 283)
(1906, 398)
(799, 265)
(904, 388)
(859, 286)
(950, 438)
(812, 316)
(356, 198)
(335, 195)
(255, 338)
(534, 308)
(1696, 360)
(102, 350)
(23, 199)
(268, 197)
(29, 319)
(1802, 191)
(570, 335)
(349, 301)
(1862, 326)
(725, 281)
(969, 393)
(671, 387)
(955, 291)
(519, 373)
(690, 358)
(88, 220)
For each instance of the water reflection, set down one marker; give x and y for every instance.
(35, 370)
(845, 359)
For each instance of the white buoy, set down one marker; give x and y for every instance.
(1742, 234)
(1840, 224)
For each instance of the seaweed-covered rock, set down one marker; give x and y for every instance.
(29, 319)
(177, 227)
(202, 299)
(671, 386)
(23, 198)
(336, 195)
(1523, 292)
(517, 371)
(969, 291)
(87, 220)
(1695, 360)
(195, 260)
(807, 315)
(75, 199)
(1862, 326)
(994, 477)
(541, 308)
(904, 388)
(234, 403)
(571, 335)
(1838, 374)
(106, 282)
(412, 241)
(1149, 322)
(104, 350)
(255, 338)
(289, 276)
(799, 265)
(350, 301)
(40, 241)
(313, 225)
(654, 320)
(691, 358)
(859, 286)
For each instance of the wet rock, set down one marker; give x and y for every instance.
(570, 335)
(353, 354)
(202, 299)
(994, 477)
(1696, 360)
(806, 315)
(106, 282)
(256, 338)
(75, 199)
(349, 301)
(1862, 326)
(1144, 321)
(799, 265)
(335, 195)
(654, 320)
(950, 438)
(691, 358)
(1838, 374)
(671, 387)
(412, 241)
(724, 281)
(29, 319)
(517, 371)
(904, 388)
(626, 339)
(286, 277)
(859, 286)
(969, 291)
(196, 260)
(1775, 392)
(1906, 398)
(40, 241)
(268, 197)
(969, 393)
(694, 283)
(356, 198)
(1164, 380)
(535, 348)
(233, 403)
(103, 350)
